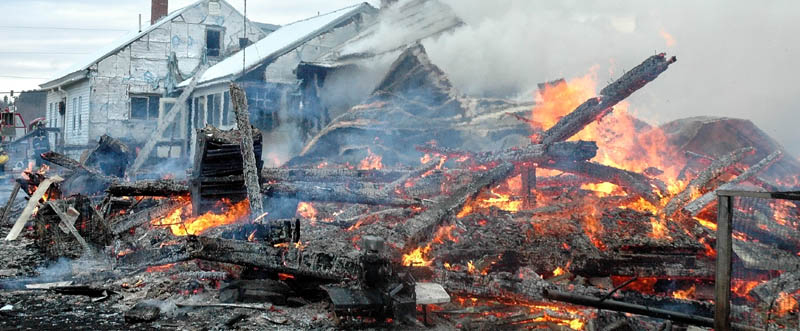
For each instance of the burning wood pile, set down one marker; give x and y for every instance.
(566, 219)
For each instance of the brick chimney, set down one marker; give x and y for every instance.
(158, 9)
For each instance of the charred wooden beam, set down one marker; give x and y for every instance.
(294, 261)
(151, 188)
(760, 256)
(649, 189)
(129, 221)
(699, 183)
(329, 175)
(766, 229)
(595, 108)
(696, 206)
(626, 307)
(422, 226)
(110, 156)
(251, 172)
(334, 193)
(768, 292)
(541, 153)
(10, 203)
(33, 203)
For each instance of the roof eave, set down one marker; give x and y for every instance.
(65, 80)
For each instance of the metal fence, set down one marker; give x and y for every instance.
(758, 268)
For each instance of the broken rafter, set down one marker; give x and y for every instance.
(318, 192)
(716, 168)
(422, 226)
(595, 108)
(153, 188)
(322, 265)
(251, 172)
(329, 175)
(696, 206)
(129, 221)
(33, 202)
(632, 182)
(572, 150)
(626, 307)
(70, 164)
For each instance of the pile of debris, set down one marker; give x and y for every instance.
(409, 209)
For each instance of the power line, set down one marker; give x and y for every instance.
(56, 28)
(21, 77)
(43, 52)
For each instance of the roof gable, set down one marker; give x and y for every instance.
(275, 44)
(75, 72)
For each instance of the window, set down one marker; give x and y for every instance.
(74, 112)
(211, 110)
(226, 109)
(243, 42)
(50, 115)
(213, 42)
(144, 107)
(201, 112)
(80, 113)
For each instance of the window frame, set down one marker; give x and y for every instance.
(152, 107)
(221, 31)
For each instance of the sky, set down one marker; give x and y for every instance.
(38, 41)
(735, 58)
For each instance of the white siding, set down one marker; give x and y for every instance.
(77, 115)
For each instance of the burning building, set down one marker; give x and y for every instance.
(420, 204)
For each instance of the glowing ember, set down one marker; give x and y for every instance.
(742, 288)
(659, 229)
(706, 223)
(470, 267)
(558, 272)
(498, 200)
(785, 303)
(417, 257)
(196, 225)
(306, 210)
(160, 268)
(371, 162)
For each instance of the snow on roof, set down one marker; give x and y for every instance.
(275, 44)
(110, 49)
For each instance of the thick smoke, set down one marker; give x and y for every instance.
(735, 59)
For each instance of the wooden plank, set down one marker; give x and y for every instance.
(31, 206)
(10, 203)
(68, 218)
(722, 281)
(240, 108)
(165, 121)
(696, 206)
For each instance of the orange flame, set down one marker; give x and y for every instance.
(197, 225)
(785, 303)
(687, 294)
(622, 141)
(417, 257)
(371, 162)
(307, 210)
